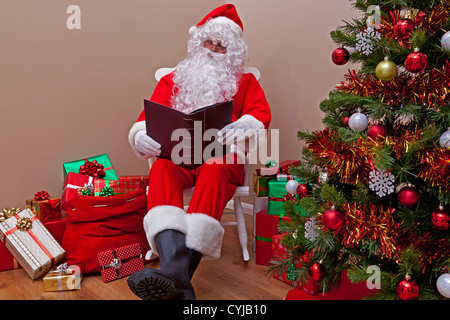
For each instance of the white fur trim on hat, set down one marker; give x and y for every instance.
(162, 218)
(219, 20)
(204, 235)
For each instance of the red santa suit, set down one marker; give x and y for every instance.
(182, 238)
(215, 183)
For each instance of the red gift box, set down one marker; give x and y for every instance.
(143, 180)
(72, 182)
(344, 291)
(266, 226)
(75, 181)
(46, 210)
(120, 262)
(119, 186)
(7, 260)
(279, 251)
(283, 167)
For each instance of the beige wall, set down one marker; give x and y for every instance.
(69, 94)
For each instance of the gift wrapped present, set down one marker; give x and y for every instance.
(265, 227)
(120, 262)
(31, 243)
(143, 180)
(261, 185)
(288, 274)
(117, 186)
(98, 167)
(344, 290)
(73, 183)
(7, 260)
(76, 184)
(272, 168)
(47, 208)
(284, 166)
(63, 278)
(278, 195)
(285, 177)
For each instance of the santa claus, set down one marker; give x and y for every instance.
(211, 73)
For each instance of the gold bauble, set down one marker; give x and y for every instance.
(386, 70)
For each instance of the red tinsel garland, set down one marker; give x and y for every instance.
(435, 168)
(373, 222)
(429, 88)
(433, 251)
(429, 22)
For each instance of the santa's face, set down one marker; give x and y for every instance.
(212, 69)
(214, 46)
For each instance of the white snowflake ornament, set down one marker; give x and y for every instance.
(382, 182)
(365, 40)
(311, 232)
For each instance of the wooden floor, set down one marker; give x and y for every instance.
(229, 278)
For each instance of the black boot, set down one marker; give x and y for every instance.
(194, 260)
(172, 280)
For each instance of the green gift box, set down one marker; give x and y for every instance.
(277, 197)
(261, 185)
(98, 166)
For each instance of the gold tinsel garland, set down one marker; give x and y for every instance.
(428, 89)
(372, 222)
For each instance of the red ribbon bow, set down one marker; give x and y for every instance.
(93, 169)
(41, 195)
(288, 197)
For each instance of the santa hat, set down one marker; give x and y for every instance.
(225, 14)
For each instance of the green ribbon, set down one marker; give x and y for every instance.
(263, 239)
(290, 272)
(271, 163)
(106, 191)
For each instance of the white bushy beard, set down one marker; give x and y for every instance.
(205, 77)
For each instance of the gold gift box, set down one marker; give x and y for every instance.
(63, 278)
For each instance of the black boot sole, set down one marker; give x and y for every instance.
(150, 284)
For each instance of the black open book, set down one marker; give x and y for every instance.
(188, 139)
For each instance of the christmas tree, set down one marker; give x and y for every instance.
(376, 188)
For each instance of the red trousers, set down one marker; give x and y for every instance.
(215, 184)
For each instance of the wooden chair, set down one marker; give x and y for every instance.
(241, 191)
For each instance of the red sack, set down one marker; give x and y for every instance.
(96, 224)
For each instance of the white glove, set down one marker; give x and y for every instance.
(235, 132)
(146, 145)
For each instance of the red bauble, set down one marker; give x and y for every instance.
(345, 120)
(316, 271)
(340, 56)
(304, 190)
(403, 28)
(377, 132)
(416, 62)
(440, 219)
(333, 219)
(407, 289)
(409, 197)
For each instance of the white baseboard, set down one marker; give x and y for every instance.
(248, 208)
